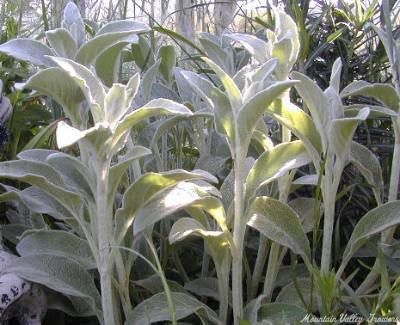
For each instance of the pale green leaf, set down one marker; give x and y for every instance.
(168, 61)
(44, 177)
(217, 100)
(107, 64)
(256, 47)
(90, 51)
(73, 22)
(281, 313)
(148, 80)
(373, 222)
(316, 102)
(204, 287)
(119, 98)
(252, 111)
(217, 54)
(369, 166)
(57, 243)
(289, 294)
(335, 75)
(62, 43)
(155, 309)
(55, 82)
(144, 189)
(74, 172)
(39, 201)
(25, 49)
(274, 163)
(300, 124)
(278, 222)
(306, 207)
(36, 154)
(117, 171)
(180, 196)
(57, 273)
(123, 26)
(340, 133)
(385, 93)
(231, 89)
(155, 107)
(89, 83)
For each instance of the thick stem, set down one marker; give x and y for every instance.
(330, 184)
(238, 239)
(104, 233)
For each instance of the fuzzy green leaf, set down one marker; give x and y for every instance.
(252, 111)
(155, 309)
(278, 222)
(384, 93)
(231, 89)
(373, 222)
(55, 82)
(57, 243)
(62, 43)
(369, 166)
(217, 100)
(57, 273)
(25, 49)
(89, 83)
(256, 47)
(274, 163)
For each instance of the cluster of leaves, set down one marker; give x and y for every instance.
(173, 196)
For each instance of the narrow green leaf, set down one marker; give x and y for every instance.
(25, 49)
(107, 64)
(233, 92)
(179, 37)
(117, 171)
(369, 166)
(217, 54)
(73, 22)
(155, 309)
(340, 133)
(274, 163)
(168, 61)
(57, 243)
(316, 102)
(385, 93)
(252, 111)
(62, 43)
(217, 100)
(373, 222)
(278, 222)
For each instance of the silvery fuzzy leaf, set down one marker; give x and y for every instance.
(73, 22)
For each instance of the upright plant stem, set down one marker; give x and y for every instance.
(104, 233)
(238, 239)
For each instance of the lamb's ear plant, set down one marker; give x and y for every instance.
(238, 116)
(81, 191)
